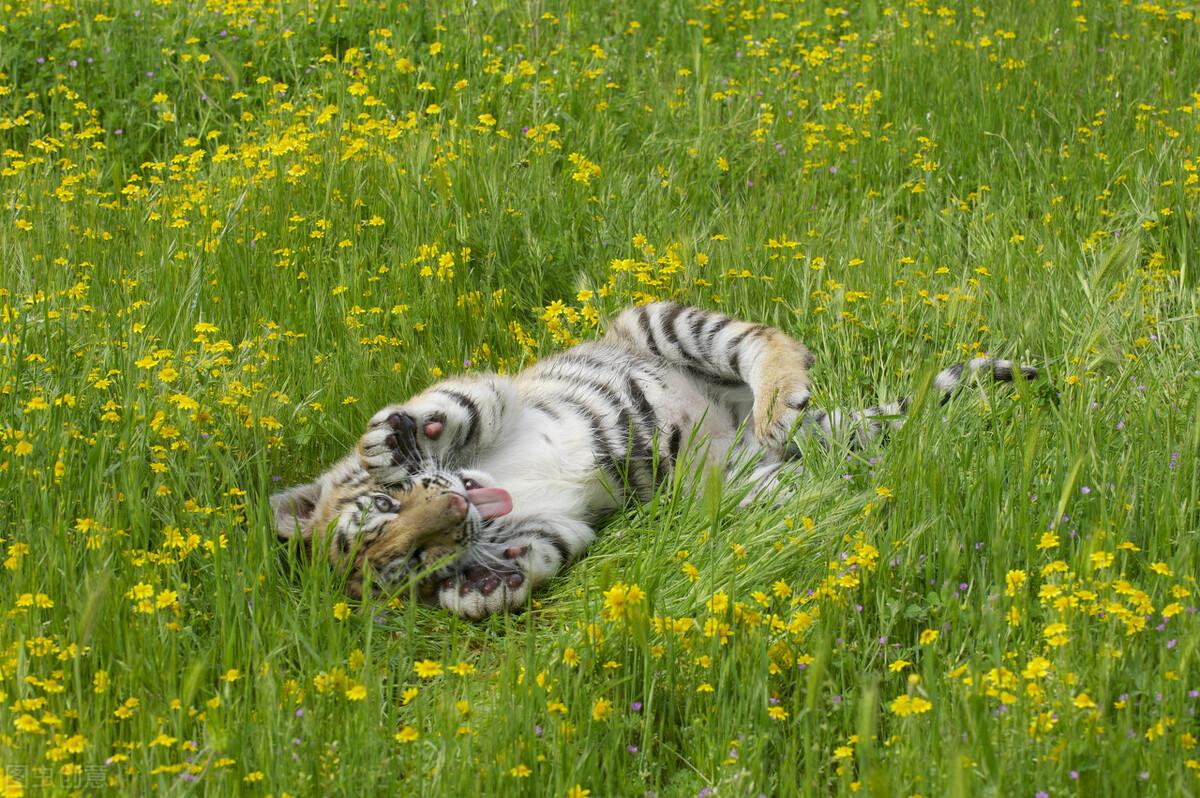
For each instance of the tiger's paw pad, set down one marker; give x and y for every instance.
(486, 579)
(390, 440)
(484, 590)
(402, 436)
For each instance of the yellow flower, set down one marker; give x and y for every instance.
(1083, 701)
(408, 695)
(905, 705)
(622, 601)
(570, 657)
(928, 636)
(462, 669)
(232, 675)
(585, 170)
(777, 713)
(898, 665)
(356, 693)
(1049, 541)
(10, 787)
(28, 724)
(341, 610)
(1037, 668)
(601, 709)
(1056, 634)
(578, 792)
(520, 771)
(407, 735)
(718, 603)
(427, 668)
(1013, 581)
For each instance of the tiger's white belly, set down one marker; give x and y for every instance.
(549, 464)
(548, 467)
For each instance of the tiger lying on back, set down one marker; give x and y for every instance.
(496, 483)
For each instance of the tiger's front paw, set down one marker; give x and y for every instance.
(391, 442)
(401, 437)
(482, 590)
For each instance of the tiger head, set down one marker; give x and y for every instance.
(414, 527)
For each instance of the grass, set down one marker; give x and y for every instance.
(230, 231)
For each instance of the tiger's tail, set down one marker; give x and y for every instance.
(858, 429)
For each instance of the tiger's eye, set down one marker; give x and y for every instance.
(384, 505)
(470, 484)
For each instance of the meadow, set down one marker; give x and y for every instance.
(230, 230)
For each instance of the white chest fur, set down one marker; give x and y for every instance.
(548, 466)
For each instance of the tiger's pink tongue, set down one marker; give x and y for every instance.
(490, 502)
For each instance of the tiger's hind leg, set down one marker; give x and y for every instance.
(725, 352)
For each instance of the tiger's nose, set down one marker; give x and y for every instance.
(457, 504)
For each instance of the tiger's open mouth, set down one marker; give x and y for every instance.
(484, 504)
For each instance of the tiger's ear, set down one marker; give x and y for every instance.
(294, 510)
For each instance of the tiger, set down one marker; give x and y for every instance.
(483, 487)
